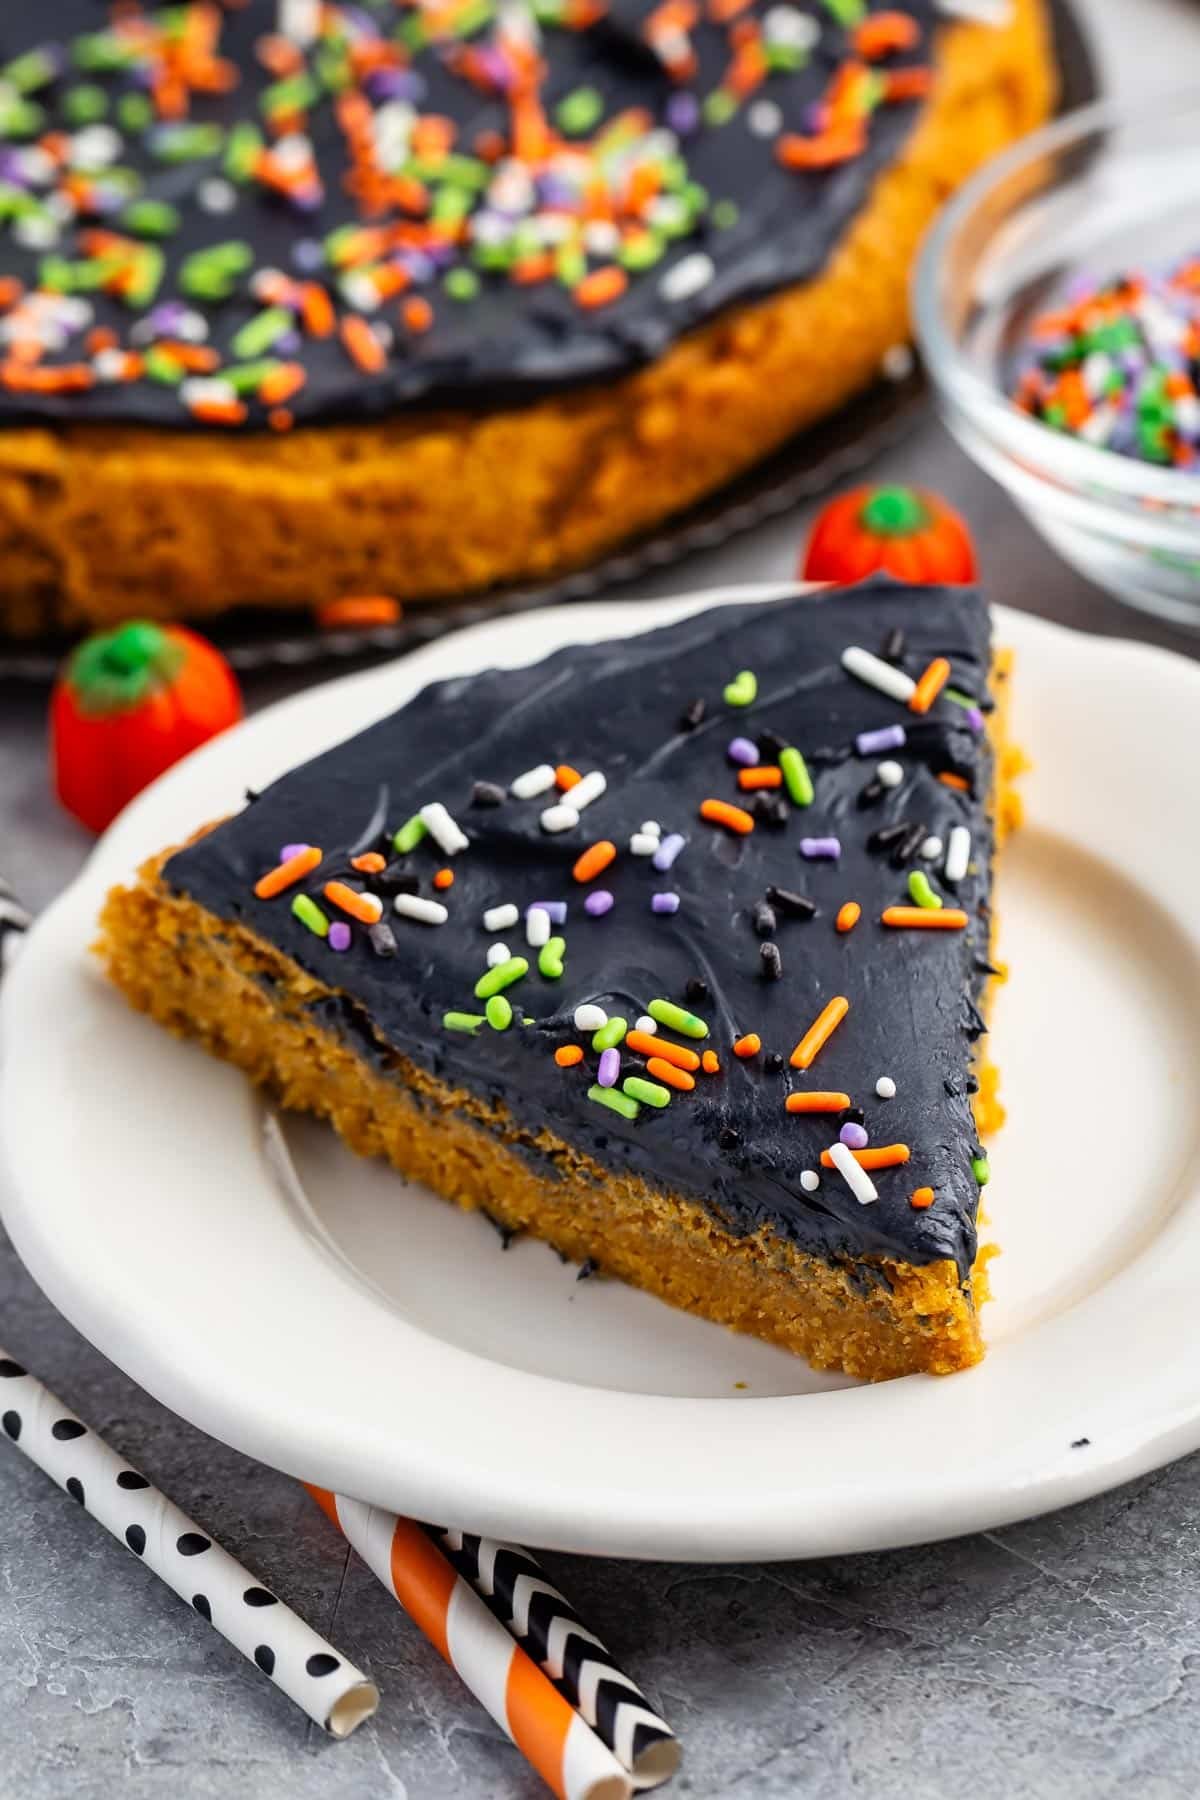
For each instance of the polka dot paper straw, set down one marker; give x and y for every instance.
(14, 922)
(334, 1694)
(566, 1753)
(544, 1623)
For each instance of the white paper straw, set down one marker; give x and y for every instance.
(334, 1694)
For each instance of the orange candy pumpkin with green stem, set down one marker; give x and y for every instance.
(910, 532)
(128, 704)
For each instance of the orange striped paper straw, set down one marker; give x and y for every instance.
(526, 1705)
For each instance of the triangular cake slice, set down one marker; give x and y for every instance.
(670, 950)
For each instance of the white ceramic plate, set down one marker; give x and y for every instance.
(372, 1339)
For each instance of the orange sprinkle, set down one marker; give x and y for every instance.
(366, 908)
(921, 1198)
(444, 878)
(925, 918)
(822, 1028)
(567, 1055)
(316, 310)
(768, 775)
(644, 1044)
(218, 412)
(361, 344)
(600, 288)
(907, 84)
(884, 33)
(719, 812)
(848, 916)
(711, 1063)
(280, 419)
(822, 152)
(669, 1075)
(594, 860)
(369, 863)
(417, 314)
(358, 612)
(750, 1045)
(958, 782)
(281, 384)
(886, 1156)
(566, 776)
(815, 1102)
(930, 685)
(287, 873)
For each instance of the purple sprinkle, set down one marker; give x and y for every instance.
(741, 750)
(854, 1136)
(830, 847)
(667, 851)
(598, 902)
(556, 908)
(290, 850)
(870, 743)
(610, 1068)
(664, 903)
(307, 255)
(339, 935)
(974, 718)
(683, 113)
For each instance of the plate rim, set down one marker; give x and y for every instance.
(771, 1526)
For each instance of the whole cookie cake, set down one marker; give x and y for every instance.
(301, 298)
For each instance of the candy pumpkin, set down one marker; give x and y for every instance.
(909, 532)
(128, 704)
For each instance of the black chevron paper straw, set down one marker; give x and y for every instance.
(14, 922)
(547, 1626)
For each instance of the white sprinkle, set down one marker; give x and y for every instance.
(651, 827)
(499, 918)
(930, 849)
(643, 844)
(787, 25)
(443, 830)
(890, 774)
(497, 953)
(533, 782)
(110, 365)
(648, 1025)
(601, 239)
(996, 13)
(898, 362)
(810, 1181)
(216, 195)
(559, 817)
(958, 853)
(885, 1087)
(36, 232)
(360, 292)
(855, 1177)
(299, 20)
(765, 119)
(95, 147)
(687, 277)
(589, 788)
(590, 1017)
(537, 927)
(192, 327)
(878, 674)
(426, 912)
(207, 390)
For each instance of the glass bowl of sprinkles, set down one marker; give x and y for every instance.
(1057, 305)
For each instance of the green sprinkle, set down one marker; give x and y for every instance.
(187, 143)
(101, 53)
(650, 1091)
(610, 1035)
(296, 93)
(580, 110)
(848, 13)
(310, 914)
(570, 265)
(135, 112)
(551, 957)
(642, 251)
(261, 333)
(796, 777)
(742, 690)
(36, 69)
(450, 205)
(959, 699)
(677, 1018)
(21, 118)
(145, 277)
(618, 1103)
(460, 1021)
(719, 107)
(150, 218)
(502, 976)
(241, 151)
(410, 835)
(499, 1013)
(981, 1170)
(922, 893)
(85, 104)
(158, 366)
(461, 284)
(725, 214)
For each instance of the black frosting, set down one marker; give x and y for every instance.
(616, 707)
(510, 342)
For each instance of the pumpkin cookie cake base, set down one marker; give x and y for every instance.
(100, 522)
(202, 971)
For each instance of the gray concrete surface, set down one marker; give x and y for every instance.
(1054, 1660)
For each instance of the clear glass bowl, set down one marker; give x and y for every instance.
(1100, 190)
